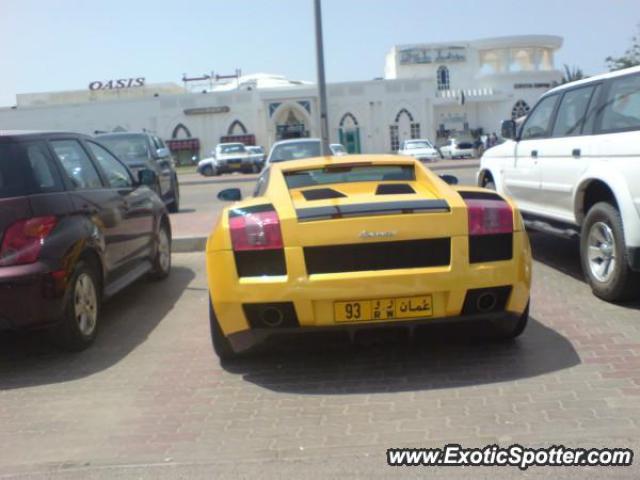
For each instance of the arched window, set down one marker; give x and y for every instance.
(180, 128)
(237, 124)
(348, 120)
(520, 109)
(403, 129)
(443, 78)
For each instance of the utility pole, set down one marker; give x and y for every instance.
(322, 85)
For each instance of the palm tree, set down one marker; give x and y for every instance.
(571, 74)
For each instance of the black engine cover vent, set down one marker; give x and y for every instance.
(394, 189)
(321, 194)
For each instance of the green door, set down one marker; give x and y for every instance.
(350, 139)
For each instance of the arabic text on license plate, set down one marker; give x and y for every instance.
(383, 309)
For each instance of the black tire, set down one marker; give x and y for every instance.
(68, 333)
(174, 206)
(208, 171)
(504, 330)
(162, 262)
(221, 344)
(622, 282)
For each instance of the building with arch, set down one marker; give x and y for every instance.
(432, 90)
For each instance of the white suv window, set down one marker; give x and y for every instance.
(571, 112)
(621, 110)
(539, 121)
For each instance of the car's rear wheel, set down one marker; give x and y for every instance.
(508, 329)
(221, 344)
(604, 255)
(79, 324)
(162, 259)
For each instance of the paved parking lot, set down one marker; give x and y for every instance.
(151, 399)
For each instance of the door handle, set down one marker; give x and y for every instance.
(534, 153)
(575, 153)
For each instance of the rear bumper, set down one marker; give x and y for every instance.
(246, 339)
(313, 296)
(30, 296)
(235, 167)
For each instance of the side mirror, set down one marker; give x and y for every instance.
(162, 153)
(147, 177)
(508, 129)
(230, 195)
(450, 179)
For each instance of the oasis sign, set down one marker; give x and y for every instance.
(117, 84)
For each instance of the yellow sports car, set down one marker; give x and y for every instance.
(363, 241)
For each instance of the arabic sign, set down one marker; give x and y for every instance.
(205, 110)
(117, 84)
(421, 55)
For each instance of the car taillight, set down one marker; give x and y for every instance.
(23, 240)
(489, 217)
(255, 231)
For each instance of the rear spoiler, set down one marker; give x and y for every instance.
(370, 209)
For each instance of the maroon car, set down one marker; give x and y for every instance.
(75, 228)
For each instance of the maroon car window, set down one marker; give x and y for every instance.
(77, 164)
(117, 174)
(25, 169)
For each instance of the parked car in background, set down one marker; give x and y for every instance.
(338, 149)
(257, 155)
(362, 257)
(574, 169)
(146, 151)
(228, 158)
(294, 149)
(420, 149)
(455, 148)
(76, 227)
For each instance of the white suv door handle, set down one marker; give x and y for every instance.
(575, 153)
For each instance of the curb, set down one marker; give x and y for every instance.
(188, 244)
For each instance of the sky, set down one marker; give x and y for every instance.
(52, 45)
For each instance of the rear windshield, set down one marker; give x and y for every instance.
(348, 174)
(25, 168)
(127, 147)
(237, 148)
(295, 151)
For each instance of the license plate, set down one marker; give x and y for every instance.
(383, 309)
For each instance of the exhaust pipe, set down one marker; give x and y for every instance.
(272, 317)
(486, 302)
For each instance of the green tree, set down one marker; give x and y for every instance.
(571, 74)
(631, 56)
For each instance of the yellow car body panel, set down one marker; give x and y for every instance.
(314, 295)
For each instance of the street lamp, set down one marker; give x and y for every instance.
(322, 85)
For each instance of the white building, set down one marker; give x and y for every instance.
(429, 90)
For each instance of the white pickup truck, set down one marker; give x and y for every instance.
(574, 170)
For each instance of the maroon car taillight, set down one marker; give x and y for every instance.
(23, 240)
(257, 242)
(490, 230)
(256, 231)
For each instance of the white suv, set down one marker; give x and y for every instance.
(574, 169)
